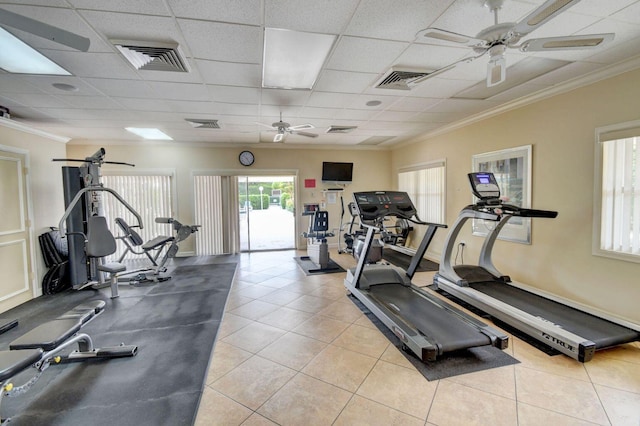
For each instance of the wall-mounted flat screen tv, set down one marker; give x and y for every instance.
(337, 172)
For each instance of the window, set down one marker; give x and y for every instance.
(426, 187)
(617, 198)
(149, 195)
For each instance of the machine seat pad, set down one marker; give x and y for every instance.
(13, 362)
(112, 268)
(85, 311)
(48, 335)
(157, 242)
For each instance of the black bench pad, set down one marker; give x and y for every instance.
(157, 242)
(13, 362)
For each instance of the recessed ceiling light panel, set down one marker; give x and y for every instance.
(19, 58)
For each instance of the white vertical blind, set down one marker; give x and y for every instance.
(208, 208)
(150, 196)
(425, 186)
(620, 214)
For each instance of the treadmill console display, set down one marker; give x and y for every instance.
(378, 204)
(484, 185)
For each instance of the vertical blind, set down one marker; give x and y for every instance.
(425, 186)
(150, 196)
(620, 226)
(219, 233)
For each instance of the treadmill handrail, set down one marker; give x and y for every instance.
(490, 211)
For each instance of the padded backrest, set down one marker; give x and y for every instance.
(132, 235)
(320, 221)
(100, 241)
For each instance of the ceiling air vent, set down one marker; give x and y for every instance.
(203, 124)
(341, 129)
(152, 56)
(398, 79)
(376, 140)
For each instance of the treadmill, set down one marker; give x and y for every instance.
(568, 329)
(426, 324)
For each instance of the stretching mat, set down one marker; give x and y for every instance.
(174, 324)
(451, 364)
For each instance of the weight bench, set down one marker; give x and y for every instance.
(43, 346)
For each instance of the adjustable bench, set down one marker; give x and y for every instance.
(42, 346)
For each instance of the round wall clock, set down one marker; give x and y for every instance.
(246, 158)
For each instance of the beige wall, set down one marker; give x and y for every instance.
(561, 131)
(45, 181)
(372, 170)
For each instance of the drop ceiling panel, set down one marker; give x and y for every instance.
(90, 102)
(146, 7)
(329, 100)
(284, 97)
(601, 8)
(344, 81)
(430, 57)
(226, 73)
(410, 104)
(122, 88)
(241, 12)
(180, 91)
(38, 100)
(137, 104)
(309, 15)
(230, 94)
(16, 84)
(618, 53)
(365, 55)
(86, 64)
(223, 42)
(360, 102)
(414, 15)
(629, 14)
(566, 23)
(45, 83)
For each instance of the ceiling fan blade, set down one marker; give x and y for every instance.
(437, 35)
(548, 10)
(588, 41)
(307, 134)
(302, 127)
(43, 30)
(278, 137)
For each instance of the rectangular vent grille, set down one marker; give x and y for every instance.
(397, 79)
(152, 56)
(203, 124)
(341, 129)
(376, 140)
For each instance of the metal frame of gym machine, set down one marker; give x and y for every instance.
(459, 280)
(359, 281)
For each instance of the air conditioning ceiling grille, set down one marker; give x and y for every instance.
(341, 129)
(203, 124)
(397, 79)
(153, 56)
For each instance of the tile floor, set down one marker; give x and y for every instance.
(294, 350)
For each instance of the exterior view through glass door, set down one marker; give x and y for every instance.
(267, 220)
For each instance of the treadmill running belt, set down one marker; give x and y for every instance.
(600, 331)
(445, 328)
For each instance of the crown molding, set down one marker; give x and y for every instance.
(6, 122)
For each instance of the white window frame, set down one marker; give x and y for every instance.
(443, 195)
(602, 136)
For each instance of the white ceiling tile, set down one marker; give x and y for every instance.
(430, 57)
(123, 88)
(284, 97)
(242, 12)
(365, 55)
(437, 117)
(410, 104)
(329, 100)
(440, 87)
(231, 94)
(360, 102)
(101, 65)
(564, 73)
(311, 112)
(466, 106)
(193, 107)
(226, 73)
(517, 92)
(38, 100)
(617, 53)
(344, 81)
(147, 7)
(271, 113)
(17, 84)
(368, 21)
(238, 109)
(90, 102)
(395, 116)
(138, 104)
(309, 15)
(629, 14)
(601, 8)
(223, 42)
(357, 114)
(45, 83)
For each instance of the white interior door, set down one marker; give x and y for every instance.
(15, 247)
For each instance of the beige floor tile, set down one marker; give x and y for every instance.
(629, 353)
(230, 324)
(277, 282)
(364, 340)
(321, 328)
(363, 412)
(498, 381)
(456, 404)
(293, 350)
(364, 321)
(305, 401)
(528, 415)
(330, 291)
(285, 318)
(302, 287)
(395, 356)
(280, 297)
(341, 367)
(235, 300)
(561, 365)
(399, 388)
(254, 381)
(342, 311)
(217, 409)
(255, 291)
(254, 337)
(614, 374)
(310, 304)
(623, 408)
(225, 358)
(254, 309)
(252, 277)
(257, 420)
(571, 397)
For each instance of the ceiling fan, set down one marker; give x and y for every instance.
(43, 30)
(495, 39)
(282, 128)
